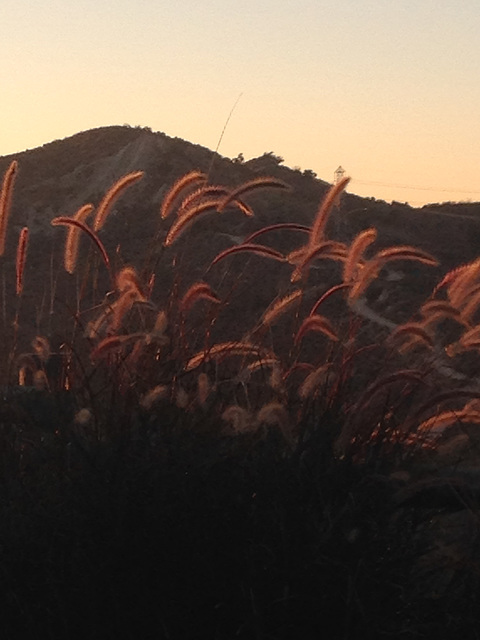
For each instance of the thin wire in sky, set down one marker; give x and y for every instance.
(223, 132)
(416, 188)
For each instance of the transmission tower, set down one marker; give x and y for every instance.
(338, 174)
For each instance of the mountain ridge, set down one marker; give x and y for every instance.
(59, 177)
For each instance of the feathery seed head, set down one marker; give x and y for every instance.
(358, 247)
(73, 237)
(113, 194)
(21, 258)
(6, 201)
(280, 306)
(321, 219)
(127, 278)
(160, 392)
(252, 185)
(186, 181)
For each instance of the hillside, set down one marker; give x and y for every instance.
(59, 177)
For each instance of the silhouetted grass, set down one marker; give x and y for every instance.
(165, 478)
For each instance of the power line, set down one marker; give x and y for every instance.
(415, 188)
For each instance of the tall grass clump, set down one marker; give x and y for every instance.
(181, 468)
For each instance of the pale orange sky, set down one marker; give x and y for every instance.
(388, 89)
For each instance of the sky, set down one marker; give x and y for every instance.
(389, 89)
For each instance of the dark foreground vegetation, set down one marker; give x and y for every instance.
(168, 532)
(237, 444)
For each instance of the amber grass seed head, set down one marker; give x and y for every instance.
(186, 181)
(6, 201)
(149, 399)
(252, 185)
(112, 195)
(323, 213)
(21, 258)
(73, 237)
(354, 256)
(280, 306)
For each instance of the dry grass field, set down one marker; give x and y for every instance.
(230, 438)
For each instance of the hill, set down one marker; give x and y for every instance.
(59, 177)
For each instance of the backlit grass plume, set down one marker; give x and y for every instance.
(252, 185)
(71, 222)
(361, 242)
(183, 183)
(73, 238)
(328, 250)
(203, 193)
(266, 252)
(439, 306)
(316, 323)
(364, 278)
(405, 252)
(112, 195)
(321, 219)
(416, 329)
(6, 201)
(280, 306)
(313, 381)
(464, 286)
(437, 424)
(291, 226)
(113, 344)
(190, 216)
(127, 279)
(198, 291)
(369, 270)
(21, 258)
(224, 349)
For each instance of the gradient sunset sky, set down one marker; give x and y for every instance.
(389, 89)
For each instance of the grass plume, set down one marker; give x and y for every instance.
(280, 306)
(186, 181)
(113, 344)
(198, 291)
(252, 185)
(316, 323)
(446, 419)
(413, 328)
(323, 213)
(258, 249)
(6, 201)
(328, 250)
(221, 350)
(406, 253)
(70, 222)
(190, 216)
(73, 238)
(358, 247)
(290, 226)
(112, 195)
(21, 258)
(312, 382)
